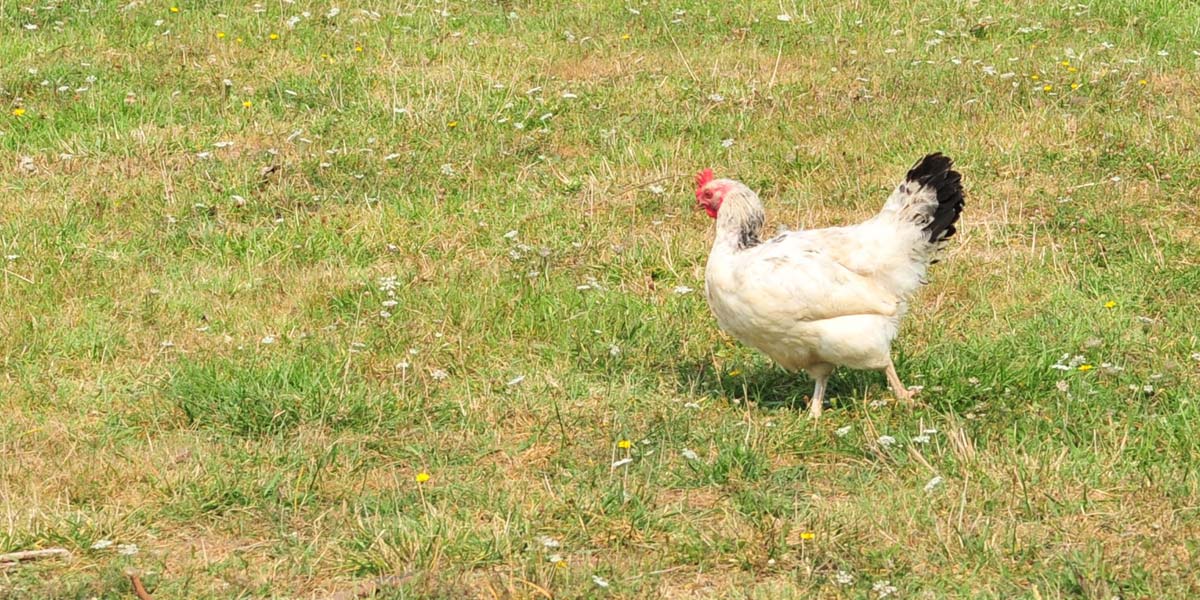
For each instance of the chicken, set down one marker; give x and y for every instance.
(818, 299)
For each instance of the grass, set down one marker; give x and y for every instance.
(202, 226)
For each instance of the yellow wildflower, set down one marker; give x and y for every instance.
(16, 112)
(273, 36)
(247, 103)
(1086, 367)
(1071, 69)
(452, 124)
(625, 36)
(220, 35)
(1034, 77)
(358, 49)
(624, 444)
(1110, 304)
(807, 535)
(1074, 86)
(1142, 82)
(734, 373)
(422, 477)
(1047, 88)
(174, 9)
(1066, 63)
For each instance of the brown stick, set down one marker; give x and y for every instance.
(16, 557)
(139, 590)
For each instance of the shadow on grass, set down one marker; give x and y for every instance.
(771, 387)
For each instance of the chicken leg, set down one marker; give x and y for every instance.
(818, 398)
(903, 394)
(821, 376)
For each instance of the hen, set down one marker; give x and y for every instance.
(819, 299)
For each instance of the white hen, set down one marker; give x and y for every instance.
(818, 299)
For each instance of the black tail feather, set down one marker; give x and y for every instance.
(936, 171)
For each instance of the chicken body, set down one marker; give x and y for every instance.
(818, 299)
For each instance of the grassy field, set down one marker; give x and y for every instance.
(297, 295)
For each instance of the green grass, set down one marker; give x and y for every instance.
(193, 357)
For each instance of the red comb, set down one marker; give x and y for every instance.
(702, 179)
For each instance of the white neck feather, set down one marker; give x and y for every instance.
(739, 220)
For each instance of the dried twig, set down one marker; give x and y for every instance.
(12, 558)
(18, 276)
(642, 184)
(543, 591)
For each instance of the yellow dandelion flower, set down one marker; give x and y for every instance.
(734, 373)
(1066, 63)
(1074, 86)
(624, 444)
(1142, 82)
(16, 112)
(220, 35)
(422, 477)
(1086, 367)
(247, 103)
(1047, 88)
(452, 124)
(273, 36)
(358, 49)
(625, 36)
(1071, 69)
(1034, 77)
(174, 9)
(1110, 304)
(807, 535)
(239, 40)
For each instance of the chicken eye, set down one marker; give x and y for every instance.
(708, 194)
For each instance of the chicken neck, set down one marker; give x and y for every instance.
(739, 221)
